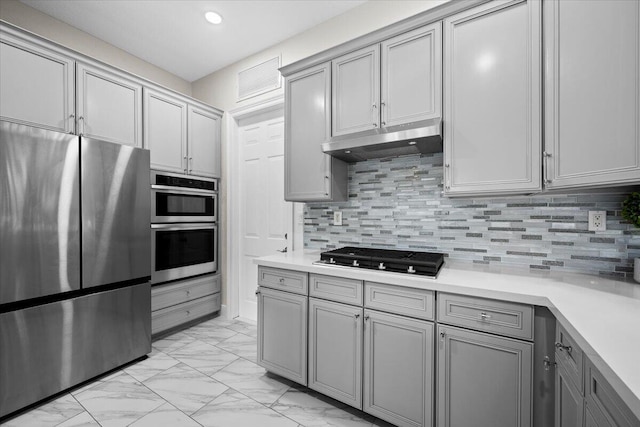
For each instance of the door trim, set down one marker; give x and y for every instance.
(231, 254)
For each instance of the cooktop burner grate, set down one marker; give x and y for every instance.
(399, 261)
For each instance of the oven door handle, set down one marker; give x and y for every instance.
(183, 226)
(181, 190)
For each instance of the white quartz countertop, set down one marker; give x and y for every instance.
(602, 315)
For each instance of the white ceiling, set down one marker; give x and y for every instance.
(173, 34)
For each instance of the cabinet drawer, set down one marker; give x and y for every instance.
(164, 296)
(286, 280)
(337, 289)
(175, 315)
(570, 356)
(399, 300)
(499, 317)
(604, 401)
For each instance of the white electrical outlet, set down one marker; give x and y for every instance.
(337, 218)
(597, 220)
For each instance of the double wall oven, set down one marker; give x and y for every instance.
(184, 229)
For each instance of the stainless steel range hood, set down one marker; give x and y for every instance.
(418, 137)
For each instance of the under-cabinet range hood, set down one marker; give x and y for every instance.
(418, 137)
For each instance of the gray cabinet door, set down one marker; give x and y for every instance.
(589, 83)
(411, 81)
(36, 86)
(165, 131)
(108, 106)
(203, 142)
(282, 334)
(483, 380)
(398, 369)
(356, 91)
(492, 99)
(335, 350)
(310, 174)
(569, 401)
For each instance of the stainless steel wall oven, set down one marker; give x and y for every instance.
(184, 231)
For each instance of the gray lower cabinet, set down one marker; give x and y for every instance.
(335, 350)
(282, 333)
(178, 303)
(398, 369)
(483, 380)
(569, 400)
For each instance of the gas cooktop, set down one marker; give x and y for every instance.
(410, 262)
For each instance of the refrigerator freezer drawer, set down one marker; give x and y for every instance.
(52, 347)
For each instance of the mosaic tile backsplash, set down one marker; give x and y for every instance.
(397, 203)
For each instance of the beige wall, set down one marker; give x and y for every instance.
(219, 88)
(44, 25)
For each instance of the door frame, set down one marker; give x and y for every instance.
(232, 262)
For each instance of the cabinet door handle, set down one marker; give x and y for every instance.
(546, 157)
(81, 128)
(186, 164)
(383, 113)
(443, 334)
(73, 123)
(562, 347)
(366, 317)
(447, 178)
(257, 292)
(374, 110)
(484, 316)
(191, 164)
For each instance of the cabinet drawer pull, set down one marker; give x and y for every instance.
(366, 317)
(562, 347)
(281, 280)
(443, 334)
(484, 316)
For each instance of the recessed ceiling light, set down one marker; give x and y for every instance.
(213, 17)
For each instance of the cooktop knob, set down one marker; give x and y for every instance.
(410, 269)
(381, 266)
(355, 263)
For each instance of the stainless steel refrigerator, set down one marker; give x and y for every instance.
(75, 262)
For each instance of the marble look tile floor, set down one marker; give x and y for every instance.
(202, 376)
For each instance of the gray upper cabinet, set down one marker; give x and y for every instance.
(392, 83)
(165, 131)
(203, 142)
(182, 138)
(411, 83)
(36, 85)
(483, 380)
(310, 174)
(356, 91)
(591, 84)
(492, 99)
(335, 350)
(398, 369)
(108, 106)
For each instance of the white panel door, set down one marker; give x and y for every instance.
(204, 142)
(165, 131)
(265, 218)
(109, 107)
(36, 86)
(492, 121)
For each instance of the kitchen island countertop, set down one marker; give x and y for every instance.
(602, 314)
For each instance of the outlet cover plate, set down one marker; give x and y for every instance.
(597, 220)
(337, 218)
